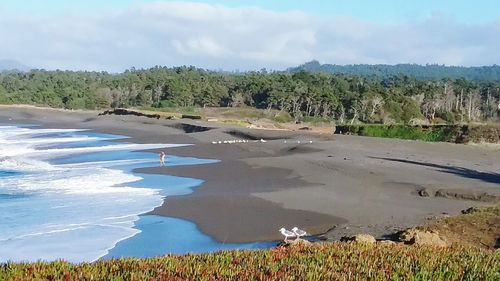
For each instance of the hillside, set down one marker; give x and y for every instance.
(12, 65)
(429, 71)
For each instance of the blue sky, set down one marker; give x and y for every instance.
(114, 35)
(467, 11)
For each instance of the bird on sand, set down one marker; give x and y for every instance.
(299, 232)
(287, 234)
(262, 140)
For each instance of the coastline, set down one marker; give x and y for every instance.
(344, 183)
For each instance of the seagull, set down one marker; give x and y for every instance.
(286, 233)
(310, 141)
(225, 141)
(220, 142)
(299, 232)
(214, 142)
(262, 140)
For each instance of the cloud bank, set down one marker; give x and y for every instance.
(245, 38)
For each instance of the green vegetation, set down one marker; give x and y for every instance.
(303, 96)
(432, 133)
(283, 117)
(337, 261)
(431, 71)
(427, 133)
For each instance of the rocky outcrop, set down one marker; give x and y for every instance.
(295, 242)
(415, 236)
(459, 195)
(190, 128)
(121, 111)
(423, 192)
(359, 238)
(387, 242)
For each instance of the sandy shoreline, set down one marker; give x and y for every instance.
(351, 184)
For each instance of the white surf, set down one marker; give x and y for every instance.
(75, 211)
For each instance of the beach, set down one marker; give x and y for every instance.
(328, 185)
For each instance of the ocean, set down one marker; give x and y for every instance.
(72, 194)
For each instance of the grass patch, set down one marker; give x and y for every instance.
(476, 227)
(282, 117)
(317, 120)
(240, 123)
(427, 133)
(237, 112)
(336, 261)
(444, 133)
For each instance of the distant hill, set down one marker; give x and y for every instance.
(430, 71)
(12, 65)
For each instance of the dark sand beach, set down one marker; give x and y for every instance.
(337, 185)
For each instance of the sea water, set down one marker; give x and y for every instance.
(72, 194)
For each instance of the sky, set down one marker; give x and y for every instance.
(114, 35)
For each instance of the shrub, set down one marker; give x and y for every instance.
(283, 117)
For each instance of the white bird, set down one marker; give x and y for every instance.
(220, 142)
(310, 141)
(214, 142)
(262, 140)
(299, 232)
(287, 234)
(225, 141)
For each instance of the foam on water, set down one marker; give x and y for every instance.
(50, 211)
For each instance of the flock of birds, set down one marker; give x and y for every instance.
(234, 141)
(245, 141)
(295, 232)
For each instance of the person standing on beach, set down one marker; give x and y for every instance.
(162, 158)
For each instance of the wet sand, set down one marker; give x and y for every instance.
(341, 185)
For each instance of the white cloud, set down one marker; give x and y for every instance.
(215, 37)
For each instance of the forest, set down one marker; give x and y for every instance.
(301, 95)
(428, 71)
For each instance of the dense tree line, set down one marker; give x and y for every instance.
(302, 95)
(428, 72)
